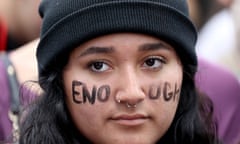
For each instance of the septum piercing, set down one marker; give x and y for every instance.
(128, 105)
(131, 106)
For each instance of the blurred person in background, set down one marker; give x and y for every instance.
(223, 88)
(215, 80)
(218, 37)
(19, 29)
(202, 10)
(19, 23)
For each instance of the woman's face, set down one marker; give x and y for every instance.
(107, 74)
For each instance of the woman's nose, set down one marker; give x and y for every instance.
(131, 90)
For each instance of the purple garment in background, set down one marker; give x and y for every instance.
(5, 123)
(223, 88)
(26, 96)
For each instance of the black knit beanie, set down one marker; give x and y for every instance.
(68, 23)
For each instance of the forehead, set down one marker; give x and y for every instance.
(131, 45)
(123, 40)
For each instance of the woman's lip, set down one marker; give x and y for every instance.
(130, 119)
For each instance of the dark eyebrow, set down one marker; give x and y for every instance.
(96, 49)
(152, 47)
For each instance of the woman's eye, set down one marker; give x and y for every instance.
(153, 63)
(98, 66)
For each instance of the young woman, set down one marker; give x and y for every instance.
(117, 72)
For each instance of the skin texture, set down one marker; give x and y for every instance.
(132, 65)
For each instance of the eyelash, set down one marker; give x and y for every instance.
(103, 64)
(90, 65)
(161, 61)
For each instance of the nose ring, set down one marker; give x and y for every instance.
(118, 101)
(131, 105)
(128, 105)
